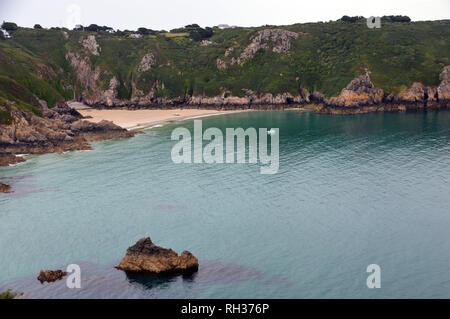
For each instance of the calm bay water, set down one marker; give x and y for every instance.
(351, 191)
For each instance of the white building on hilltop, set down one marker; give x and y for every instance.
(226, 26)
(6, 34)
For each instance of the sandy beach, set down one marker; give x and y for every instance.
(135, 119)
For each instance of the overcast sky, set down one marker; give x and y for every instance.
(169, 14)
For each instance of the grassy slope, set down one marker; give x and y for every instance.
(329, 57)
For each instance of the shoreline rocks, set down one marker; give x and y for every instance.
(359, 96)
(359, 92)
(51, 275)
(7, 159)
(60, 129)
(146, 257)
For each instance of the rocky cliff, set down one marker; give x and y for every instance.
(238, 67)
(361, 96)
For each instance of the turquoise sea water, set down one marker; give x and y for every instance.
(351, 191)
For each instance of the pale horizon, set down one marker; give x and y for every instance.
(172, 14)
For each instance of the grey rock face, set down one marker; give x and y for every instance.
(91, 45)
(278, 40)
(147, 62)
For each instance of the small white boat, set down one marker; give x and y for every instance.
(271, 132)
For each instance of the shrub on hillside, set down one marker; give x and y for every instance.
(396, 19)
(9, 26)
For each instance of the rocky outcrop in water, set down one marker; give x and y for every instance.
(146, 257)
(51, 275)
(5, 188)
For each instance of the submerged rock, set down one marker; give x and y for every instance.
(5, 188)
(146, 257)
(51, 275)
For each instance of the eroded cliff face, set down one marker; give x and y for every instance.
(147, 62)
(89, 78)
(360, 95)
(278, 40)
(91, 45)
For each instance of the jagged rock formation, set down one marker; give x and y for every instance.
(361, 96)
(109, 95)
(147, 62)
(278, 39)
(51, 275)
(443, 90)
(146, 257)
(417, 93)
(358, 92)
(91, 45)
(59, 129)
(87, 76)
(89, 79)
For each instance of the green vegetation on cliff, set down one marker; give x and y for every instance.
(8, 294)
(324, 57)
